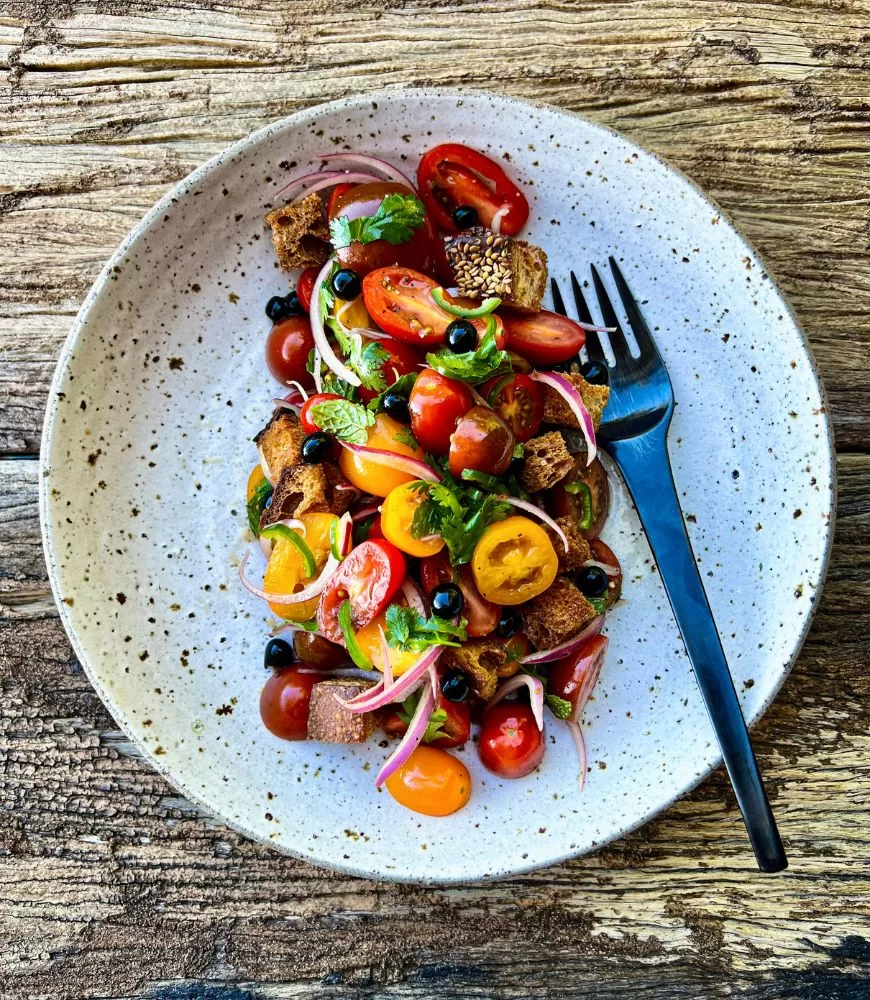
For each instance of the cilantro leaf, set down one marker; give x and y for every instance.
(345, 420)
(473, 366)
(599, 603)
(398, 217)
(256, 505)
(408, 630)
(405, 437)
(403, 386)
(459, 515)
(368, 362)
(338, 386)
(519, 451)
(434, 728)
(561, 708)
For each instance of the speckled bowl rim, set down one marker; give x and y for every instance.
(300, 119)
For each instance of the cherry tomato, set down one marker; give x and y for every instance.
(369, 641)
(588, 509)
(385, 434)
(397, 518)
(436, 404)
(482, 616)
(305, 418)
(419, 252)
(284, 703)
(368, 578)
(400, 301)
(318, 653)
(334, 195)
(544, 338)
(517, 400)
(510, 743)
(516, 648)
(603, 553)
(401, 360)
(481, 441)
(255, 480)
(514, 561)
(287, 347)
(451, 175)
(285, 571)
(305, 285)
(575, 676)
(431, 782)
(435, 570)
(456, 727)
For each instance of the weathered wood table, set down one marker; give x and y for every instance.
(113, 886)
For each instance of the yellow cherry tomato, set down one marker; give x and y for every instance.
(514, 561)
(353, 314)
(432, 782)
(369, 639)
(285, 572)
(255, 480)
(397, 516)
(385, 434)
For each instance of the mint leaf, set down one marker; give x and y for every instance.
(403, 386)
(410, 631)
(473, 366)
(256, 505)
(345, 420)
(398, 217)
(558, 706)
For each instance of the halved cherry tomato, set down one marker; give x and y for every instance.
(603, 553)
(368, 578)
(588, 509)
(431, 782)
(285, 571)
(575, 674)
(514, 561)
(287, 347)
(436, 404)
(400, 301)
(397, 518)
(456, 727)
(481, 615)
(369, 640)
(305, 418)
(385, 434)
(401, 360)
(544, 338)
(334, 195)
(517, 400)
(304, 286)
(318, 653)
(481, 441)
(451, 175)
(255, 480)
(284, 703)
(510, 743)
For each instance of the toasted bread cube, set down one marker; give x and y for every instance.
(330, 722)
(556, 615)
(578, 548)
(482, 660)
(557, 411)
(300, 233)
(485, 265)
(301, 489)
(280, 442)
(546, 461)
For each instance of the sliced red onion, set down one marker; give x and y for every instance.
(321, 341)
(592, 328)
(336, 178)
(476, 396)
(412, 738)
(367, 511)
(430, 538)
(368, 162)
(264, 465)
(388, 663)
(495, 225)
(568, 647)
(290, 188)
(282, 404)
(265, 546)
(312, 590)
(345, 530)
(580, 744)
(590, 679)
(318, 374)
(608, 569)
(573, 398)
(542, 514)
(414, 597)
(293, 627)
(536, 694)
(368, 701)
(299, 388)
(401, 463)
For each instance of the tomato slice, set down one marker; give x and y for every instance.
(305, 285)
(334, 195)
(576, 674)
(546, 338)
(517, 400)
(451, 175)
(368, 578)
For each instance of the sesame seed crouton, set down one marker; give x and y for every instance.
(556, 615)
(301, 489)
(329, 722)
(485, 264)
(280, 441)
(578, 548)
(546, 461)
(300, 233)
(557, 411)
(481, 659)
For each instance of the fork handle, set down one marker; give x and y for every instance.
(641, 461)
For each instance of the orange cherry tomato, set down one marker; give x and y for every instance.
(385, 434)
(369, 640)
(285, 572)
(431, 782)
(255, 480)
(397, 518)
(514, 561)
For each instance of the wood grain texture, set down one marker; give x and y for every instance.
(113, 886)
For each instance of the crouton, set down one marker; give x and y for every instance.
(301, 489)
(340, 501)
(280, 442)
(329, 722)
(300, 233)
(557, 411)
(546, 461)
(578, 548)
(481, 659)
(517, 270)
(556, 615)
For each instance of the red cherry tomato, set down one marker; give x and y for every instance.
(402, 360)
(576, 674)
(318, 653)
(284, 703)
(456, 727)
(400, 301)
(482, 615)
(451, 175)
(368, 578)
(334, 195)
(436, 404)
(305, 418)
(545, 338)
(517, 400)
(510, 743)
(435, 570)
(305, 285)
(287, 348)
(481, 441)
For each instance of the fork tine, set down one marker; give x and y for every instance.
(635, 317)
(583, 313)
(558, 301)
(617, 338)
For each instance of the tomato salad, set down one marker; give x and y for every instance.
(428, 498)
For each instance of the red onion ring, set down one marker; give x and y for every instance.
(388, 663)
(608, 569)
(401, 463)
(568, 647)
(333, 179)
(542, 514)
(321, 342)
(575, 401)
(495, 225)
(412, 738)
(312, 590)
(304, 179)
(365, 512)
(580, 745)
(299, 388)
(368, 701)
(282, 404)
(368, 162)
(536, 694)
(414, 597)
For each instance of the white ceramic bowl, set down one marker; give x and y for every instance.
(162, 384)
